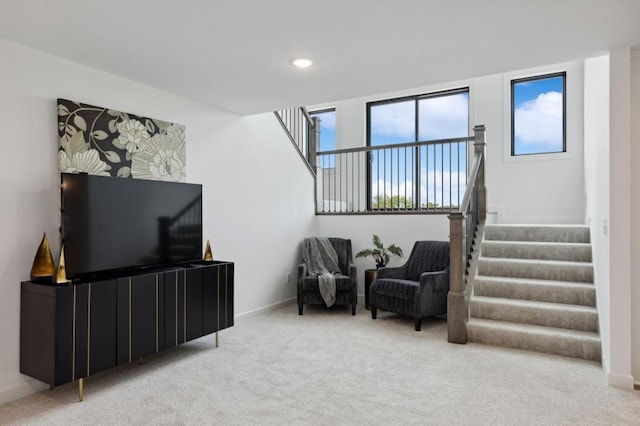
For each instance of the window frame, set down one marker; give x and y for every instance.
(416, 98)
(512, 110)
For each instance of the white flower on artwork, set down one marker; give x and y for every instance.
(176, 131)
(83, 162)
(133, 135)
(163, 159)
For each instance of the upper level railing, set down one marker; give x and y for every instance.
(415, 177)
(303, 131)
(463, 224)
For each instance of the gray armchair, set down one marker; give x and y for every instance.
(346, 281)
(419, 288)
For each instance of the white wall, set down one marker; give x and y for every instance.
(402, 230)
(596, 147)
(259, 198)
(620, 217)
(253, 221)
(635, 208)
(546, 188)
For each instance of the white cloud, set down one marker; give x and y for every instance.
(439, 118)
(396, 119)
(327, 120)
(539, 121)
(444, 117)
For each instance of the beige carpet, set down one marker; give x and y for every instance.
(328, 367)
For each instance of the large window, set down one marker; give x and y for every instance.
(429, 176)
(538, 111)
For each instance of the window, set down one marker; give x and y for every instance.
(327, 129)
(429, 176)
(538, 111)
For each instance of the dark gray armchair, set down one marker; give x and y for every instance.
(346, 281)
(419, 288)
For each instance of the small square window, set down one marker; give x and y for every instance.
(538, 115)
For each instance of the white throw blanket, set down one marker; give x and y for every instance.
(322, 261)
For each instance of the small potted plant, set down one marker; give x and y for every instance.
(380, 253)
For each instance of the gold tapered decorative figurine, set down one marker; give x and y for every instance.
(43, 267)
(208, 254)
(61, 273)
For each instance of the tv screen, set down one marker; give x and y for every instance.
(113, 223)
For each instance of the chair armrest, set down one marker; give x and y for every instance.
(435, 282)
(431, 297)
(353, 273)
(302, 272)
(438, 280)
(385, 272)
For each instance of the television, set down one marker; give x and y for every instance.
(112, 224)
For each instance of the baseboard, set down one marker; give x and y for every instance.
(20, 386)
(623, 381)
(267, 308)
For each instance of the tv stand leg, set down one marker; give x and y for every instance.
(216, 339)
(140, 361)
(80, 389)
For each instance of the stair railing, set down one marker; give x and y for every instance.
(462, 228)
(303, 131)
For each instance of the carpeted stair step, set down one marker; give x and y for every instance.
(577, 252)
(572, 293)
(547, 314)
(542, 233)
(558, 341)
(536, 269)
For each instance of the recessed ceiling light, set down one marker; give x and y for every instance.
(302, 62)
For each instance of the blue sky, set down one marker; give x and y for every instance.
(538, 112)
(327, 130)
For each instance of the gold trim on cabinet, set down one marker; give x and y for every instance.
(73, 337)
(176, 308)
(129, 319)
(157, 344)
(89, 331)
(226, 312)
(184, 336)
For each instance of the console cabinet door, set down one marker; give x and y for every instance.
(210, 296)
(102, 326)
(46, 332)
(137, 319)
(193, 303)
(144, 315)
(174, 296)
(225, 301)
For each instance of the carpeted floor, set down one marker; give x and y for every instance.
(328, 367)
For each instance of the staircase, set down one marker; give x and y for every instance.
(534, 291)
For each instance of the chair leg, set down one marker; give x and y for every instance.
(353, 309)
(374, 312)
(418, 323)
(300, 309)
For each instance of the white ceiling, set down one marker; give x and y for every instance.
(234, 54)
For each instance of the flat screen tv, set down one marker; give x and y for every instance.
(111, 224)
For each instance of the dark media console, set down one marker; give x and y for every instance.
(69, 332)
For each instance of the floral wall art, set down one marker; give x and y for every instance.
(102, 141)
